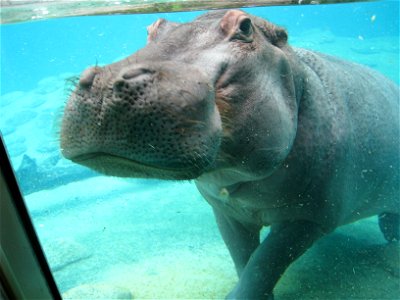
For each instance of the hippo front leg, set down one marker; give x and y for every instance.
(284, 244)
(240, 239)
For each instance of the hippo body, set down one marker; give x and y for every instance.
(272, 135)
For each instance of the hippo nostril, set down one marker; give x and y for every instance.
(119, 85)
(87, 77)
(132, 73)
(133, 80)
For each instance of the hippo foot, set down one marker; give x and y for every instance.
(233, 296)
(390, 226)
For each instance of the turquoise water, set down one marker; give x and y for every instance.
(158, 239)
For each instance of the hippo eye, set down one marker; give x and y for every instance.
(245, 26)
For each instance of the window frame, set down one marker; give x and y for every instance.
(24, 271)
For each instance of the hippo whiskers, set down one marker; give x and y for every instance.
(272, 135)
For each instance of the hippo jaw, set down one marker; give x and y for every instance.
(143, 120)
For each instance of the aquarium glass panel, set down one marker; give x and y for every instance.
(106, 236)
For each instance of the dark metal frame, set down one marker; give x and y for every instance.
(24, 271)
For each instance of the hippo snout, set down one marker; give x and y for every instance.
(157, 116)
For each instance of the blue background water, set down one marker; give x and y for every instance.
(159, 239)
(32, 51)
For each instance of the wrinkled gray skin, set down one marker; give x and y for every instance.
(272, 135)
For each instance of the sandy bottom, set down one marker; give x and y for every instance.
(159, 241)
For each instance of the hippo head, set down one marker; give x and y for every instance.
(218, 92)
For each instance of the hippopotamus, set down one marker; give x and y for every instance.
(272, 135)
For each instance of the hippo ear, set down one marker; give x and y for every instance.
(154, 30)
(275, 34)
(236, 25)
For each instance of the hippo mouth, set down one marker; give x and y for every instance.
(114, 165)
